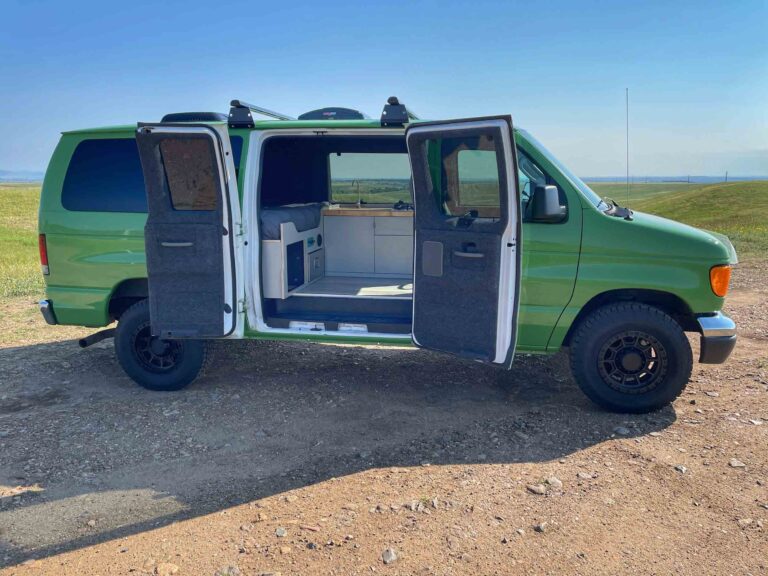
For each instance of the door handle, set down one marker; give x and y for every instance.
(468, 254)
(177, 244)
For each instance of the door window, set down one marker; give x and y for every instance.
(190, 167)
(478, 175)
(468, 180)
(531, 175)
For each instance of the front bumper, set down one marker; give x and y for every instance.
(46, 309)
(718, 338)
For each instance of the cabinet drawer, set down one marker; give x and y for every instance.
(391, 226)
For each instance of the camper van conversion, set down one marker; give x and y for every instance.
(462, 236)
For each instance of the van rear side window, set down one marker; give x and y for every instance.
(104, 175)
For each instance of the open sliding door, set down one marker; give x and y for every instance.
(193, 230)
(467, 237)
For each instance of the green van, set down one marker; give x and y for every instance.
(462, 236)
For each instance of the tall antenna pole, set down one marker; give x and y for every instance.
(627, 109)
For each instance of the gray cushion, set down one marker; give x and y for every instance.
(304, 217)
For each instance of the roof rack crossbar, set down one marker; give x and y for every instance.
(241, 114)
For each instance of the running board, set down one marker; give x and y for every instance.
(310, 326)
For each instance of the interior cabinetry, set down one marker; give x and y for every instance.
(350, 246)
(368, 245)
(289, 263)
(361, 252)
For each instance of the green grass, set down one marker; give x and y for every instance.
(736, 209)
(19, 261)
(370, 191)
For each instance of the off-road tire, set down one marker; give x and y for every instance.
(630, 357)
(175, 366)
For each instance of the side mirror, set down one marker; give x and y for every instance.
(545, 205)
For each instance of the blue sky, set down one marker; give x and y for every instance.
(697, 71)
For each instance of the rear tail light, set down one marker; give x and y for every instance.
(43, 253)
(719, 278)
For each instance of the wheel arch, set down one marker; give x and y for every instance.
(125, 294)
(668, 302)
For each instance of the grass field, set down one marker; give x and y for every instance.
(19, 262)
(370, 191)
(736, 209)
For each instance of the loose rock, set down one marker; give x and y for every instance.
(537, 488)
(388, 556)
(680, 468)
(541, 527)
(734, 463)
(555, 482)
(281, 532)
(622, 431)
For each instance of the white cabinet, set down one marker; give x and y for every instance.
(368, 245)
(349, 245)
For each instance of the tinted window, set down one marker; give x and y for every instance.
(192, 173)
(105, 176)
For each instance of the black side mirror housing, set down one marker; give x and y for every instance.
(545, 205)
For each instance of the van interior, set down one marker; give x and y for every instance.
(336, 227)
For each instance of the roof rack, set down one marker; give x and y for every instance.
(241, 114)
(396, 114)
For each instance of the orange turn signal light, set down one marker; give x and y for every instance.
(719, 278)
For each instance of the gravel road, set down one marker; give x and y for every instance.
(378, 459)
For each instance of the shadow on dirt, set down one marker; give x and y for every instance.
(116, 460)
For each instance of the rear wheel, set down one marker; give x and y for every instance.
(154, 363)
(631, 357)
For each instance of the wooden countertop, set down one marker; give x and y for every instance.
(367, 212)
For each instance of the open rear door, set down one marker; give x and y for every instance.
(467, 237)
(193, 230)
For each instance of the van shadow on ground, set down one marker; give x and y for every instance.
(114, 459)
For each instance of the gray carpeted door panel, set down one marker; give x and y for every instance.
(457, 260)
(183, 235)
(456, 312)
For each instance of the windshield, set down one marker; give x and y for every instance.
(588, 193)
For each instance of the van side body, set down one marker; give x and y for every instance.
(98, 268)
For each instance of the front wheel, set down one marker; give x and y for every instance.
(151, 362)
(630, 357)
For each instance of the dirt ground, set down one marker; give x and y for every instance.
(289, 458)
